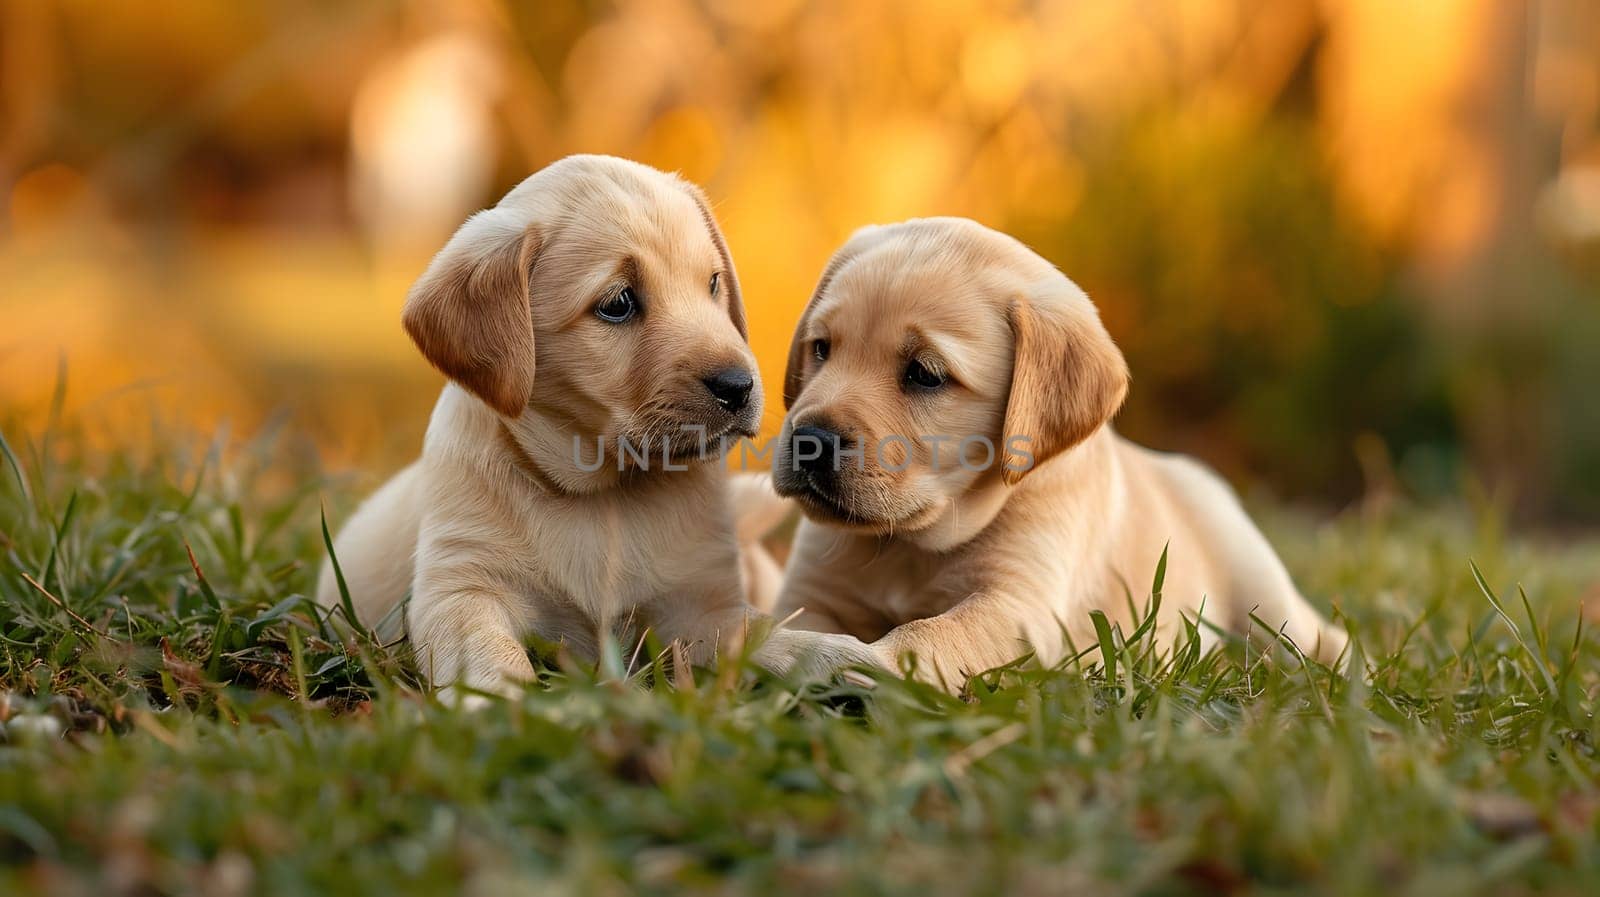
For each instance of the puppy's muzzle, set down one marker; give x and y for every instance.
(731, 388)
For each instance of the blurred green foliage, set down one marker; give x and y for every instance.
(1265, 331)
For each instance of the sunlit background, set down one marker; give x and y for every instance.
(1351, 249)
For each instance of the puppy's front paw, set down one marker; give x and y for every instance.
(473, 696)
(461, 699)
(817, 656)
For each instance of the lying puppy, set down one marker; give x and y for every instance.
(948, 394)
(591, 498)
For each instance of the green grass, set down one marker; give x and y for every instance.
(219, 737)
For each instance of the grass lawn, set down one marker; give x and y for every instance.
(180, 723)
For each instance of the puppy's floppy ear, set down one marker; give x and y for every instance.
(469, 312)
(730, 278)
(1067, 376)
(794, 375)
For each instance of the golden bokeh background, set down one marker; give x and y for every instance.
(1350, 247)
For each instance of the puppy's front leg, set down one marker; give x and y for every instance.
(468, 639)
(815, 599)
(786, 652)
(986, 630)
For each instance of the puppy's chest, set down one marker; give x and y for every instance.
(915, 585)
(607, 562)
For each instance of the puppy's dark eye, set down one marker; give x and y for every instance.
(716, 283)
(921, 376)
(819, 349)
(619, 308)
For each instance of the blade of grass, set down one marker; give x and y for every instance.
(1533, 624)
(298, 660)
(345, 603)
(1571, 665)
(62, 605)
(199, 480)
(1305, 665)
(1155, 599)
(49, 568)
(16, 471)
(1516, 633)
(205, 584)
(1108, 648)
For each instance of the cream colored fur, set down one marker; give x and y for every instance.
(499, 531)
(967, 570)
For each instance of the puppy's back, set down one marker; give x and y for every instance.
(1255, 581)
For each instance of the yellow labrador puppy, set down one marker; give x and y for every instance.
(966, 501)
(571, 482)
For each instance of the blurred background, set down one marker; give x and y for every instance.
(1350, 247)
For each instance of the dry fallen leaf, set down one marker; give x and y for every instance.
(188, 675)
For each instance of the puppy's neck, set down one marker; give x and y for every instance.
(565, 460)
(546, 452)
(963, 517)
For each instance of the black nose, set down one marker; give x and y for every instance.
(730, 387)
(814, 449)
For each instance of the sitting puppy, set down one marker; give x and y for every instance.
(948, 394)
(591, 498)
